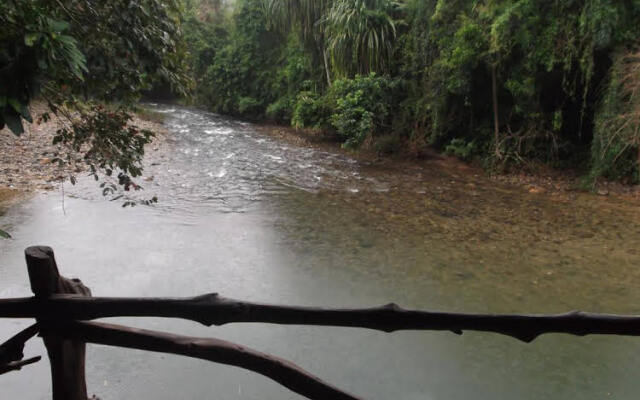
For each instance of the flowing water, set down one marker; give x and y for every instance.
(255, 218)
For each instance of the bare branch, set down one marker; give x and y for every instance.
(17, 365)
(219, 351)
(12, 349)
(212, 309)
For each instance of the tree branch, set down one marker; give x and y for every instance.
(219, 351)
(212, 309)
(17, 365)
(12, 349)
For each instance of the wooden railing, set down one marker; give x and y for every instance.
(62, 307)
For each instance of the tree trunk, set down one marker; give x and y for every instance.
(496, 123)
(326, 66)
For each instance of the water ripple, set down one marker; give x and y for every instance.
(230, 166)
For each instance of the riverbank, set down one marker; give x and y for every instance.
(543, 180)
(25, 160)
(26, 167)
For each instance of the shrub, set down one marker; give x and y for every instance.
(388, 144)
(310, 110)
(362, 106)
(248, 105)
(461, 148)
(615, 150)
(280, 110)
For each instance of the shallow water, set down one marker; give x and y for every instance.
(253, 218)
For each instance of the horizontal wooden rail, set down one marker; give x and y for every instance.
(60, 304)
(282, 371)
(212, 309)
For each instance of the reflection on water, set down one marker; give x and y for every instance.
(252, 218)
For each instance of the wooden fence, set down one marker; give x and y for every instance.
(62, 307)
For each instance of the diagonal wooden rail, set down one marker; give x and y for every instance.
(219, 351)
(60, 304)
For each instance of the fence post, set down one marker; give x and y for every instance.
(67, 357)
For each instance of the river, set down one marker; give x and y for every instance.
(256, 218)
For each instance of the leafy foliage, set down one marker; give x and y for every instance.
(35, 44)
(108, 143)
(74, 53)
(549, 59)
(507, 80)
(239, 77)
(293, 74)
(129, 45)
(616, 141)
(360, 36)
(242, 68)
(362, 107)
(311, 110)
(461, 148)
(354, 108)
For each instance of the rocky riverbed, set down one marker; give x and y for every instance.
(535, 179)
(26, 161)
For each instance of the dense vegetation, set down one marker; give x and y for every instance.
(509, 82)
(89, 60)
(506, 82)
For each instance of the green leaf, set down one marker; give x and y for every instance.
(21, 109)
(58, 26)
(15, 104)
(4, 234)
(14, 123)
(31, 38)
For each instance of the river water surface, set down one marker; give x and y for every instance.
(254, 218)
